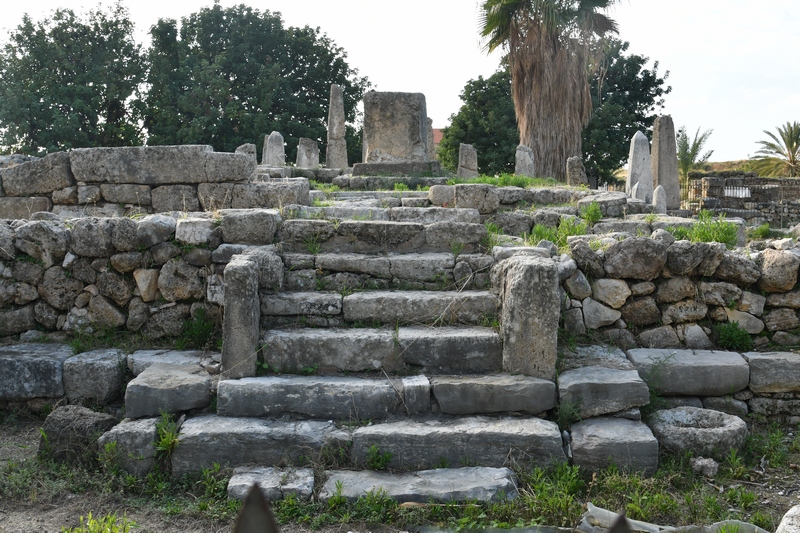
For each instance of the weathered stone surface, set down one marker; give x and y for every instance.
(155, 229)
(578, 286)
(430, 215)
(147, 283)
(275, 483)
(343, 349)
(588, 261)
(675, 289)
(114, 286)
(422, 267)
(376, 266)
(691, 372)
(440, 236)
(442, 485)
(664, 160)
(774, 371)
(781, 319)
(467, 161)
(598, 390)
(92, 237)
(336, 151)
(481, 441)
(126, 194)
(523, 162)
(103, 313)
(752, 303)
(166, 322)
(660, 200)
(70, 433)
(597, 315)
(595, 356)
(321, 397)
(7, 250)
(138, 314)
(600, 442)
(165, 387)
(469, 395)
(32, 370)
(721, 294)
(307, 153)
(738, 269)
(576, 173)
(685, 311)
(530, 313)
(726, 404)
(134, 442)
(42, 176)
(517, 223)
(395, 127)
(788, 299)
(241, 320)
(252, 226)
(635, 258)
(703, 432)
(444, 350)
(639, 170)
(232, 442)
(641, 312)
(693, 336)
(778, 270)
(273, 153)
(58, 289)
(126, 261)
(194, 230)
(16, 321)
(613, 292)
(746, 321)
(175, 198)
(140, 360)
(65, 196)
(248, 149)
(124, 235)
(790, 523)
(94, 378)
(301, 303)
(46, 241)
(413, 307)
(180, 281)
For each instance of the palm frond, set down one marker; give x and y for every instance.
(781, 157)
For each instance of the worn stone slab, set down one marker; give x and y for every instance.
(271, 194)
(194, 230)
(395, 127)
(378, 236)
(422, 267)
(440, 236)
(431, 215)
(416, 391)
(323, 397)
(38, 177)
(497, 393)
(478, 441)
(232, 442)
(664, 160)
(240, 324)
(139, 360)
(774, 371)
(399, 168)
(595, 355)
(126, 194)
(441, 350)
(639, 170)
(135, 444)
(22, 208)
(95, 377)
(30, 371)
(598, 390)
(352, 350)
(628, 444)
(420, 307)
(301, 303)
(275, 483)
(165, 387)
(703, 432)
(249, 226)
(376, 266)
(443, 485)
(691, 372)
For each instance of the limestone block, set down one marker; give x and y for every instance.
(274, 152)
(746, 321)
(596, 356)
(635, 258)
(95, 377)
(193, 360)
(517, 223)
(444, 350)
(476, 196)
(134, 442)
(165, 387)
(778, 270)
(46, 241)
(248, 149)
(523, 162)
(467, 162)
(7, 250)
(69, 434)
(431, 215)
(32, 370)
(639, 171)
(124, 235)
(693, 336)
(240, 326)
(774, 372)
(442, 195)
(252, 226)
(691, 372)
(781, 319)
(42, 176)
(600, 442)
(660, 200)
(307, 153)
(147, 283)
(597, 315)
(375, 266)
(675, 289)
(469, 395)
(395, 127)
(92, 237)
(703, 432)
(103, 313)
(481, 441)
(270, 195)
(180, 281)
(661, 337)
(414, 307)
(301, 304)
(790, 523)
(270, 267)
(726, 404)
(23, 208)
(16, 321)
(440, 236)
(443, 485)
(58, 289)
(598, 390)
(194, 230)
(275, 483)
(336, 154)
(613, 292)
(737, 269)
(576, 173)
(65, 196)
(641, 312)
(721, 294)
(664, 160)
(126, 194)
(685, 311)
(225, 252)
(416, 392)
(752, 303)
(155, 229)
(126, 261)
(586, 258)
(422, 267)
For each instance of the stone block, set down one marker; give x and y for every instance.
(126, 194)
(170, 388)
(375, 266)
(39, 177)
(275, 483)
(470, 395)
(600, 442)
(477, 196)
(155, 229)
(23, 208)
(597, 390)
(270, 195)
(93, 237)
(94, 378)
(273, 153)
(65, 196)
(444, 350)
(635, 258)
(703, 432)
(353, 350)
(301, 304)
(422, 267)
(376, 237)
(467, 161)
(639, 171)
(691, 372)
(30, 371)
(307, 153)
(664, 160)
(395, 127)
(193, 360)
(17, 320)
(416, 391)
(46, 241)
(175, 198)
(215, 196)
(415, 307)
(523, 162)
(440, 236)
(240, 326)
(250, 226)
(597, 315)
(772, 372)
(134, 442)
(194, 230)
(70, 433)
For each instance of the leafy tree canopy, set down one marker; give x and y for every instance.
(626, 98)
(229, 76)
(69, 82)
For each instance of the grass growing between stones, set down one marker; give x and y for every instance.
(733, 337)
(558, 236)
(509, 180)
(708, 229)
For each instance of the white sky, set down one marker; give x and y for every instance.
(732, 63)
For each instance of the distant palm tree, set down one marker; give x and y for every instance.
(547, 45)
(781, 156)
(689, 151)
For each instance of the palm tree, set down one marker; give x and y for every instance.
(689, 152)
(547, 45)
(781, 156)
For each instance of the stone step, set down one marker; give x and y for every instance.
(436, 350)
(385, 182)
(420, 215)
(595, 390)
(420, 307)
(599, 442)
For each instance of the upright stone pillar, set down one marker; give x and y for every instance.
(529, 320)
(576, 172)
(307, 153)
(336, 151)
(248, 149)
(431, 145)
(240, 324)
(467, 161)
(660, 201)
(395, 127)
(523, 166)
(664, 160)
(273, 153)
(639, 170)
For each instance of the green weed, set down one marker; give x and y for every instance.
(376, 459)
(198, 332)
(708, 229)
(401, 187)
(106, 524)
(591, 214)
(733, 337)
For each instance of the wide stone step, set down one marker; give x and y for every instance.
(473, 441)
(437, 350)
(691, 372)
(596, 390)
(628, 444)
(420, 307)
(419, 215)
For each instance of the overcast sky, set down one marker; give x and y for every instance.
(732, 63)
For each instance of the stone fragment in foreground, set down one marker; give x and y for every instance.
(691, 372)
(599, 442)
(275, 483)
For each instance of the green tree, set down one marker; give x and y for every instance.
(70, 81)
(486, 121)
(780, 156)
(547, 45)
(626, 98)
(689, 152)
(232, 75)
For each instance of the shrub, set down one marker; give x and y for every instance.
(733, 337)
(106, 524)
(591, 213)
(708, 229)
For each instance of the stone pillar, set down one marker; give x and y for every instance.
(274, 153)
(523, 165)
(431, 146)
(576, 172)
(639, 168)
(467, 161)
(240, 324)
(249, 150)
(529, 319)
(336, 150)
(664, 160)
(307, 153)
(660, 201)
(395, 127)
